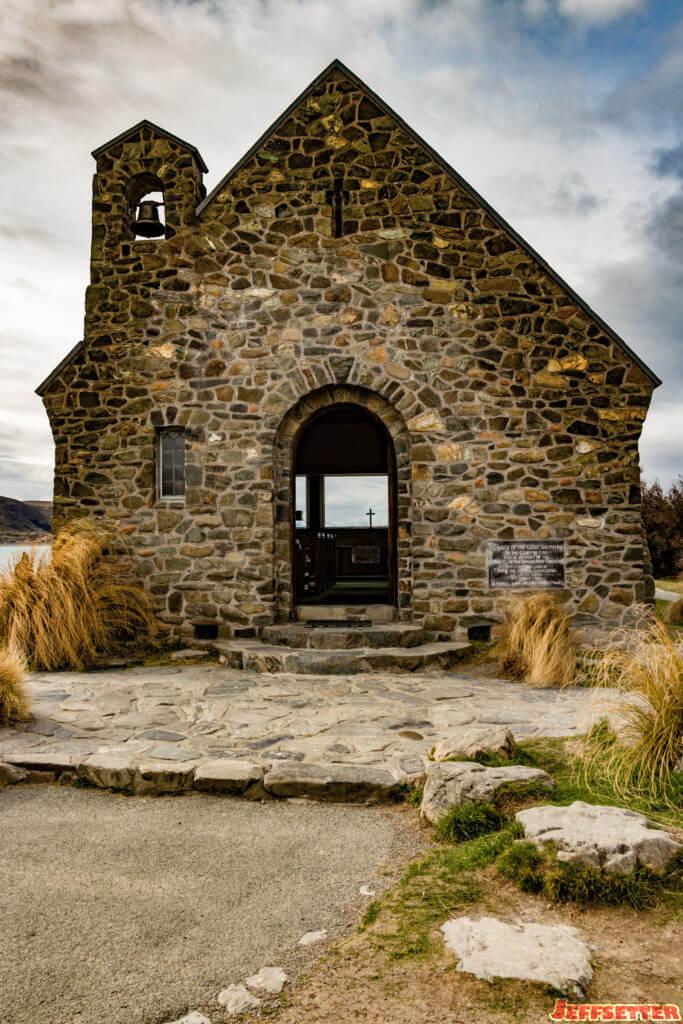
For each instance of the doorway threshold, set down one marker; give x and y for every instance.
(345, 612)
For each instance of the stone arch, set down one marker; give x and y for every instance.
(283, 450)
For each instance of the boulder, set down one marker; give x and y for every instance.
(451, 783)
(607, 838)
(475, 741)
(224, 775)
(10, 774)
(554, 955)
(236, 999)
(268, 979)
(331, 781)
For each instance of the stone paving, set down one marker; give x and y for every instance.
(192, 713)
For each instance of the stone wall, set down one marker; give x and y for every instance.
(514, 414)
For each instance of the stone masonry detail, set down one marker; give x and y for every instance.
(514, 414)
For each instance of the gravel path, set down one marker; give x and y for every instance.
(132, 911)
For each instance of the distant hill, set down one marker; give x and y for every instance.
(22, 522)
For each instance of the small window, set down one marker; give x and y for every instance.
(172, 464)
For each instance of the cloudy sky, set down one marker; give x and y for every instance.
(565, 114)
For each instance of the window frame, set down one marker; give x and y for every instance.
(174, 499)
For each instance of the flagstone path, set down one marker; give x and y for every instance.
(194, 712)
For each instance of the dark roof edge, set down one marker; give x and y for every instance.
(337, 65)
(145, 123)
(68, 358)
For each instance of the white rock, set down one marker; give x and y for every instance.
(474, 741)
(451, 783)
(192, 1018)
(236, 999)
(310, 937)
(610, 838)
(365, 891)
(554, 955)
(270, 979)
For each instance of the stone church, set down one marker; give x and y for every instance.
(342, 308)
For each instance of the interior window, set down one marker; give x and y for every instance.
(300, 502)
(359, 501)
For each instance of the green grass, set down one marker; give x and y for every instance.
(467, 821)
(432, 890)
(405, 922)
(541, 873)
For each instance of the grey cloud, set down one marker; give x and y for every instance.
(669, 162)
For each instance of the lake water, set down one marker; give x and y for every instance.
(9, 553)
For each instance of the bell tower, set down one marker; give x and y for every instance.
(147, 185)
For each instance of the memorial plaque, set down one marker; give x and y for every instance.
(537, 564)
(365, 556)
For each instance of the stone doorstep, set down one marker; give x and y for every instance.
(341, 612)
(255, 656)
(300, 636)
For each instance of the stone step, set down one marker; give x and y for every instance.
(345, 612)
(254, 656)
(343, 637)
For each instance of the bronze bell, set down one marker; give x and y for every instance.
(147, 222)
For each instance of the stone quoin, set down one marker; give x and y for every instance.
(340, 268)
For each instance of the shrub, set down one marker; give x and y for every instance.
(673, 616)
(662, 514)
(535, 641)
(70, 609)
(639, 753)
(14, 698)
(467, 821)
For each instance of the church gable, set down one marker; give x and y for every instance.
(340, 162)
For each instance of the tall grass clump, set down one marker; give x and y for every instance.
(673, 616)
(639, 752)
(14, 698)
(535, 642)
(74, 608)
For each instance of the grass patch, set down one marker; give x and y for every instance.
(14, 698)
(468, 821)
(638, 754)
(673, 616)
(535, 643)
(72, 608)
(371, 914)
(414, 797)
(541, 873)
(434, 888)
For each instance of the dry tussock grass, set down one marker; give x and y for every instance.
(535, 643)
(673, 616)
(70, 609)
(638, 755)
(14, 698)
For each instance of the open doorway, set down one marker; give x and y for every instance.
(343, 509)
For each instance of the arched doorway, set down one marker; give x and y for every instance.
(343, 508)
